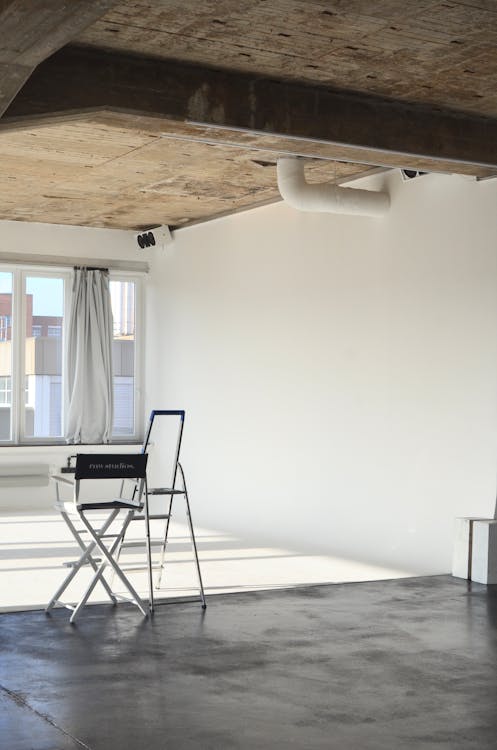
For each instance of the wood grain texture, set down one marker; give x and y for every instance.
(439, 52)
(118, 170)
(190, 124)
(103, 171)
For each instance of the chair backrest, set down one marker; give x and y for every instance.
(111, 466)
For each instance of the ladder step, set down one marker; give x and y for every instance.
(141, 544)
(165, 491)
(152, 517)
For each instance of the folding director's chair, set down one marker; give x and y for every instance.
(175, 488)
(95, 534)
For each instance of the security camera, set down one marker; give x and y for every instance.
(160, 236)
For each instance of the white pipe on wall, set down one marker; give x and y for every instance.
(325, 197)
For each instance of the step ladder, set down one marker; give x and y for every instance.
(177, 488)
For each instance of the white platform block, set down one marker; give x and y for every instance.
(475, 549)
(460, 550)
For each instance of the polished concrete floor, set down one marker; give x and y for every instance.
(402, 664)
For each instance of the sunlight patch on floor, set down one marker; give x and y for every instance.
(33, 547)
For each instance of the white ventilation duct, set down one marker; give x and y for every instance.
(325, 197)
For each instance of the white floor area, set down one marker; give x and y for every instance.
(33, 547)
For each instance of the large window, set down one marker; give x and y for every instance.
(34, 310)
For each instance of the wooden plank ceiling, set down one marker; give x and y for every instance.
(441, 52)
(99, 171)
(168, 112)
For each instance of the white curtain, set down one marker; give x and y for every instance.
(89, 401)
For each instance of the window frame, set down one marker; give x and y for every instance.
(20, 273)
(5, 390)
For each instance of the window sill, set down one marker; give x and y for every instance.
(69, 448)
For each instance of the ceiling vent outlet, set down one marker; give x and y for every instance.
(411, 174)
(325, 197)
(160, 236)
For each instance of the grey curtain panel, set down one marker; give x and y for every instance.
(89, 400)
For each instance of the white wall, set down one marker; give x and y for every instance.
(68, 241)
(339, 373)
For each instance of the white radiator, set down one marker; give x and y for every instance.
(24, 475)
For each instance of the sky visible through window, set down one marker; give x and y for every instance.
(47, 293)
(48, 298)
(5, 282)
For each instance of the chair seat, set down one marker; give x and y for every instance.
(108, 505)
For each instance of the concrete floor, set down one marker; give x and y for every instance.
(402, 664)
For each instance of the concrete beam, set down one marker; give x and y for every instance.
(84, 78)
(31, 31)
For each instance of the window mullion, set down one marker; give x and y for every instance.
(65, 344)
(18, 327)
(139, 358)
(22, 361)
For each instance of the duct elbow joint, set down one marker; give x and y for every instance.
(325, 197)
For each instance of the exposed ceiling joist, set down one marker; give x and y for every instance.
(31, 31)
(358, 125)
